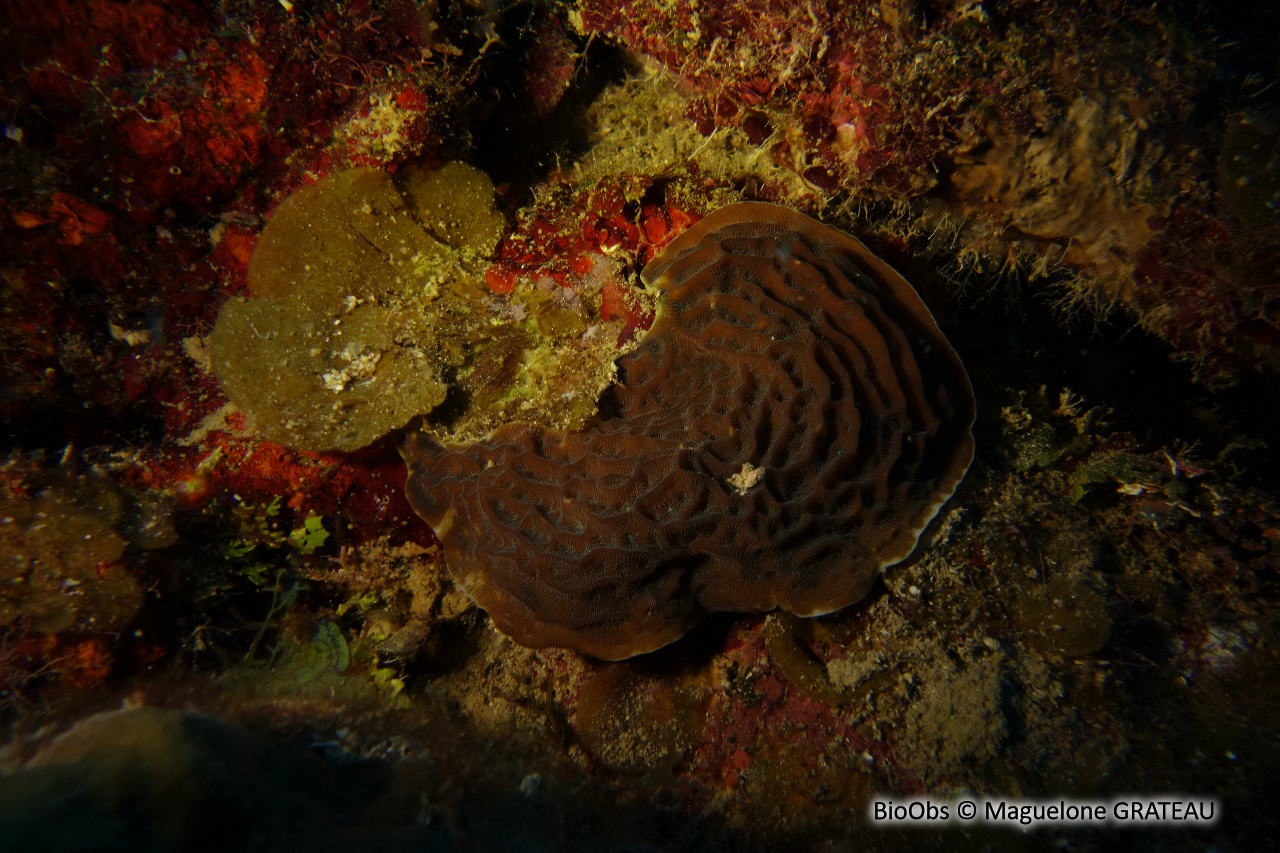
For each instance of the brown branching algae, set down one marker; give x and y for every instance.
(781, 345)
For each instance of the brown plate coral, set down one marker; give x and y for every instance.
(786, 430)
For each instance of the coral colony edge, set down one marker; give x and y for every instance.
(786, 429)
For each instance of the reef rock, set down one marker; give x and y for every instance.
(61, 558)
(1074, 193)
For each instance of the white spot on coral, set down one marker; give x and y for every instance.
(746, 478)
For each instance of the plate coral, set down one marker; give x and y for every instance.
(781, 346)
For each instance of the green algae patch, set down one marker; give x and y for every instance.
(451, 203)
(325, 379)
(344, 336)
(326, 668)
(367, 307)
(350, 229)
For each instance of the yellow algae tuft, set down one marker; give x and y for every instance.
(382, 129)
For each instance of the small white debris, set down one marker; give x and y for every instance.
(746, 478)
(132, 337)
(361, 367)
